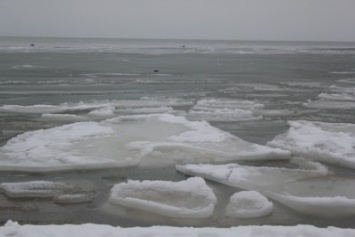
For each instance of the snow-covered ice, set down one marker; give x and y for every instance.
(127, 140)
(94, 230)
(190, 198)
(329, 142)
(248, 204)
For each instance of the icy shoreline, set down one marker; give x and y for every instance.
(94, 230)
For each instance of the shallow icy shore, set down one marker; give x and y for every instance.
(93, 230)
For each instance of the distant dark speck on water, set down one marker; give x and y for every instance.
(156, 70)
(32, 45)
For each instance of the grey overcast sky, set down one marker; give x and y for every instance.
(325, 20)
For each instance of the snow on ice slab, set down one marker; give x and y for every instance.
(191, 198)
(248, 204)
(157, 139)
(254, 177)
(329, 142)
(94, 230)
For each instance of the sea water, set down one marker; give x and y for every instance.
(248, 89)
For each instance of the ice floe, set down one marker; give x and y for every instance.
(224, 110)
(127, 140)
(33, 189)
(60, 192)
(190, 198)
(307, 190)
(330, 104)
(259, 178)
(329, 196)
(328, 142)
(337, 96)
(95, 230)
(248, 204)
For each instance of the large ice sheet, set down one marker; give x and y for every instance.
(329, 142)
(248, 204)
(155, 139)
(224, 110)
(94, 230)
(191, 198)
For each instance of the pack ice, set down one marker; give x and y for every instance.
(128, 140)
(328, 142)
(191, 198)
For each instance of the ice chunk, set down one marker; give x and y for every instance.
(64, 118)
(74, 198)
(33, 189)
(338, 89)
(224, 110)
(306, 190)
(157, 139)
(337, 96)
(329, 196)
(105, 108)
(95, 230)
(328, 142)
(258, 178)
(191, 198)
(330, 104)
(248, 204)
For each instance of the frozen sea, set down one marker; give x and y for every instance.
(109, 131)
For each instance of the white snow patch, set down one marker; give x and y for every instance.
(191, 198)
(95, 230)
(248, 204)
(328, 142)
